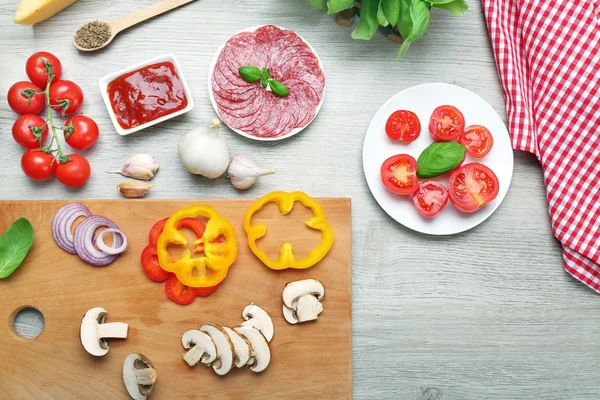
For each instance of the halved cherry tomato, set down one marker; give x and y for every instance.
(403, 125)
(430, 198)
(477, 139)
(150, 265)
(178, 292)
(472, 186)
(399, 174)
(446, 123)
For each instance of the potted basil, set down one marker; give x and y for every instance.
(404, 20)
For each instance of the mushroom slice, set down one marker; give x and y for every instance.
(308, 308)
(224, 361)
(290, 315)
(94, 332)
(258, 318)
(241, 347)
(260, 354)
(294, 290)
(139, 376)
(203, 350)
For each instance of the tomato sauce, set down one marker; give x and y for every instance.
(146, 94)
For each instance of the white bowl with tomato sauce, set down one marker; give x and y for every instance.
(153, 104)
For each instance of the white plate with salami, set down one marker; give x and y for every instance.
(257, 112)
(477, 185)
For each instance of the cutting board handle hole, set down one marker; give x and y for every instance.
(26, 322)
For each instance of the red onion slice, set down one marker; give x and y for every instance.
(63, 221)
(111, 250)
(84, 241)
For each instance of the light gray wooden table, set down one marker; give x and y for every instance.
(488, 314)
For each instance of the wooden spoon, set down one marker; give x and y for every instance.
(128, 21)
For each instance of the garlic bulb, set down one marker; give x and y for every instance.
(204, 151)
(133, 188)
(243, 172)
(139, 166)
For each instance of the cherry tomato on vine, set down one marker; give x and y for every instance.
(65, 97)
(446, 123)
(38, 165)
(472, 186)
(36, 67)
(81, 133)
(403, 125)
(399, 174)
(478, 140)
(30, 131)
(22, 98)
(430, 198)
(74, 172)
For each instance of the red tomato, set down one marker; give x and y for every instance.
(430, 198)
(66, 97)
(36, 67)
(178, 292)
(477, 139)
(472, 186)
(24, 128)
(151, 266)
(399, 174)
(446, 123)
(74, 172)
(38, 165)
(20, 103)
(82, 132)
(403, 125)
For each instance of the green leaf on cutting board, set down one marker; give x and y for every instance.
(391, 10)
(368, 20)
(335, 6)
(381, 19)
(417, 19)
(318, 4)
(14, 246)
(456, 7)
(439, 158)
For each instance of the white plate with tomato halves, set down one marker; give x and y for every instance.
(438, 159)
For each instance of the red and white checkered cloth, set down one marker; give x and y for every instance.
(548, 58)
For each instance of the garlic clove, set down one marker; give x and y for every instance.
(133, 189)
(243, 172)
(139, 166)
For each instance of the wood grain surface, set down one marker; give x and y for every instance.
(488, 314)
(311, 359)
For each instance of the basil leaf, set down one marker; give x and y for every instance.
(318, 4)
(432, 2)
(278, 88)
(439, 158)
(391, 10)
(265, 77)
(335, 6)
(381, 19)
(456, 7)
(14, 246)
(368, 20)
(419, 21)
(404, 21)
(250, 73)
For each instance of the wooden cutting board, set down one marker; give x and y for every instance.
(311, 360)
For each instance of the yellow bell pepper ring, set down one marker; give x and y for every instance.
(285, 201)
(210, 268)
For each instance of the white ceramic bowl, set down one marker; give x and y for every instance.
(103, 83)
(264, 139)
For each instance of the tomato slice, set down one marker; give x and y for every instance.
(472, 186)
(399, 174)
(430, 198)
(151, 266)
(477, 139)
(446, 123)
(403, 125)
(178, 292)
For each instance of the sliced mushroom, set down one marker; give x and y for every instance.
(224, 361)
(290, 315)
(308, 308)
(294, 290)
(258, 318)
(241, 347)
(139, 376)
(203, 350)
(94, 332)
(260, 354)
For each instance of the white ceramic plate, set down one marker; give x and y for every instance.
(422, 100)
(103, 83)
(214, 104)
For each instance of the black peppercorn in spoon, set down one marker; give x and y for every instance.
(96, 35)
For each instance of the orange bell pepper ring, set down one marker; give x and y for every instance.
(285, 201)
(208, 269)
